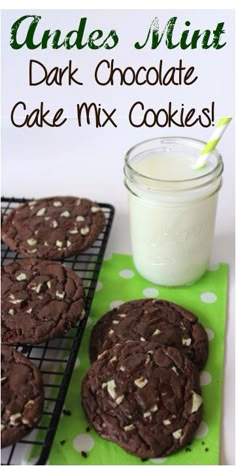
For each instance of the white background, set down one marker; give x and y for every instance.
(89, 162)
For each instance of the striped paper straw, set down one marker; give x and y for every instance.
(217, 134)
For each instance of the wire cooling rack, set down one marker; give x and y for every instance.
(56, 358)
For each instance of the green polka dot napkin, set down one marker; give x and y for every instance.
(75, 441)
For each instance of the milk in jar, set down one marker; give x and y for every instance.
(172, 209)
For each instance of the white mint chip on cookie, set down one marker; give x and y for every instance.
(186, 341)
(60, 295)
(57, 203)
(65, 214)
(177, 434)
(111, 388)
(74, 232)
(21, 277)
(196, 402)
(15, 419)
(84, 231)
(141, 382)
(119, 399)
(31, 241)
(129, 427)
(41, 212)
(95, 209)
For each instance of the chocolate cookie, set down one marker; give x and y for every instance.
(161, 322)
(41, 300)
(54, 227)
(22, 396)
(146, 399)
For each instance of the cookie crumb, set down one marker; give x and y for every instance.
(66, 412)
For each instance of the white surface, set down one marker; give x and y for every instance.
(121, 4)
(89, 162)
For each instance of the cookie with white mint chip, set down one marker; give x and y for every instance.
(22, 396)
(145, 399)
(40, 300)
(53, 227)
(155, 320)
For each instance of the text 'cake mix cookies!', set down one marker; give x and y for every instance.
(22, 396)
(40, 300)
(54, 227)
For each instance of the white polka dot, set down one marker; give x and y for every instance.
(150, 292)
(208, 297)
(158, 460)
(114, 304)
(213, 267)
(202, 430)
(83, 442)
(205, 378)
(126, 273)
(210, 333)
(89, 322)
(99, 286)
(77, 363)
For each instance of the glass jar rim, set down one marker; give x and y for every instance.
(186, 140)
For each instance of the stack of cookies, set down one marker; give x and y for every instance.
(41, 299)
(142, 390)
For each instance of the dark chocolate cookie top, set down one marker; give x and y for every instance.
(146, 399)
(158, 321)
(54, 227)
(22, 396)
(40, 300)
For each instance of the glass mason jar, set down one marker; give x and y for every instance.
(172, 208)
